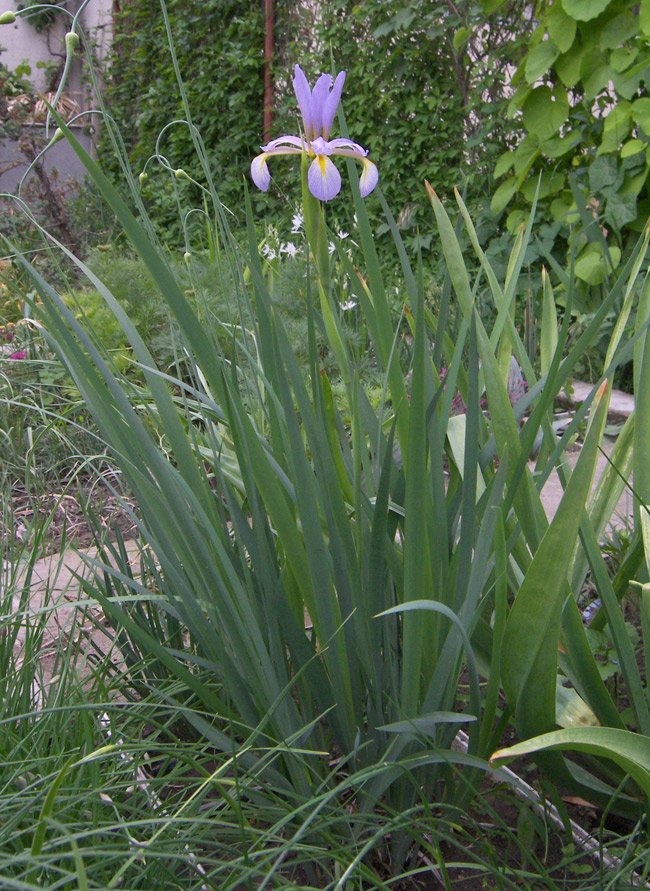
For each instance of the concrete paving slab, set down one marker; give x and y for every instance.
(552, 493)
(621, 405)
(49, 594)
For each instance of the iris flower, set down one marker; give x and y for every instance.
(317, 107)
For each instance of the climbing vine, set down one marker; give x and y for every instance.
(582, 110)
(410, 95)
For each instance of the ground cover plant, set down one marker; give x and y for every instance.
(329, 586)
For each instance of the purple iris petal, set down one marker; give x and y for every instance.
(320, 146)
(369, 178)
(260, 172)
(318, 99)
(318, 109)
(303, 95)
(356, 150)
(323, 178)
(283, 140)
(332, 103)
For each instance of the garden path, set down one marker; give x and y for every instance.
(52, 590)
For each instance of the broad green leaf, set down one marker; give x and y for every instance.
(549, 184)
(563, 206)
(591, 267)
(621, 28)
(540, 59)
(641, 113)
(633, 185)
(618, 119)
(504, 164)
(558, 146)
(568, 66)
(503, 195)
(631, 751)
(545, 111)
(633, 147)
(461, 36)
(621, 209)
(605, 176)
(622, 58)
(525, 154)
(530, 644)
(596, 80)
(644, 17)
(561, 28)
(584, 10)
(629, 82)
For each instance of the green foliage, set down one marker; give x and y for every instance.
(219, 49)
(422, 105)
(402, 92)
(581, 109)
(324, 567)
(426, 92)
(44, 15)
(335, 579)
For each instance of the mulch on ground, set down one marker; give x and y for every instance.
(73, 518)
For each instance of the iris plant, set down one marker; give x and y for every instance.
(317, 107)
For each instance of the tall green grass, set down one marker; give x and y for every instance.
(327, 596)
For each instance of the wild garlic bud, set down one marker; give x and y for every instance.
(71, 42)
(7, 18)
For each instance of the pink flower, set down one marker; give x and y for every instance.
(19, 355)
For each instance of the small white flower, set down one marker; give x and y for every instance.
(349, 304)
(289, 248)
(331, 247)
(341, 234)
(296, 222)
(268, 252)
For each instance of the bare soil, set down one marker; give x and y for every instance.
(68, 519)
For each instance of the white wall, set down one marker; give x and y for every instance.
(21, 41)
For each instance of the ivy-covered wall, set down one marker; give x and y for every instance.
(402, 98)
(219, 47)
(408, 96)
